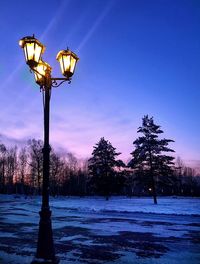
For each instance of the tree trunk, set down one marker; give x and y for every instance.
(154, 190)
(152, 179)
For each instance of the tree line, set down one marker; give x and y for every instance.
(151, 171)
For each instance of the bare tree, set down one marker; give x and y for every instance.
(2, 167)
(35, 161)
(11, 168)
(56, 171)
(22, 168)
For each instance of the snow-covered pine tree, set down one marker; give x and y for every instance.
(148, 155)
(101, 167)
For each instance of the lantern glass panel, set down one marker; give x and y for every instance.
(41, 72)
(61, 64)
(73, 63)
(38, 51)
(29, 51)
(66, 60)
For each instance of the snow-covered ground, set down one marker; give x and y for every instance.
(179, 206)
(93, 230)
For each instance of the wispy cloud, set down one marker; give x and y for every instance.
(11, 141)
(97, 22)
(59, 13)
(80, 131)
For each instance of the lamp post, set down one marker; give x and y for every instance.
(33, 50)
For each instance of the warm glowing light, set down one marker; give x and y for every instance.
(73, 63)
(40, 72)
(29, 51)
(33, 50)
(21, 43)
(38, 52)
(68, 60)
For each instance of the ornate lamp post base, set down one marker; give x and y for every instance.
(45, 247)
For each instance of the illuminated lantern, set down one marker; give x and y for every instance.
(40, 72)
(68, 60)
(33, 50)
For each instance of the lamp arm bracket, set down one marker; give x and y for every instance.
(61, 80)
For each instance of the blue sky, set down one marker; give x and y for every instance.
(136, 58)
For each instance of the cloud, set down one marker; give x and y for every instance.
(62, 9)
(11, 141)
(80, 131)
(77, 130)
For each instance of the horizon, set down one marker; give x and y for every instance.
(194, 164)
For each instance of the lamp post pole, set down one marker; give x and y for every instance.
(45, 244)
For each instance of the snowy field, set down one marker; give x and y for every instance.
(95, 231)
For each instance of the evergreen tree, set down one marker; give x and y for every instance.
(149, 160)
(102, 167)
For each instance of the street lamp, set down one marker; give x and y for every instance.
(33, 50)
(67, 61)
